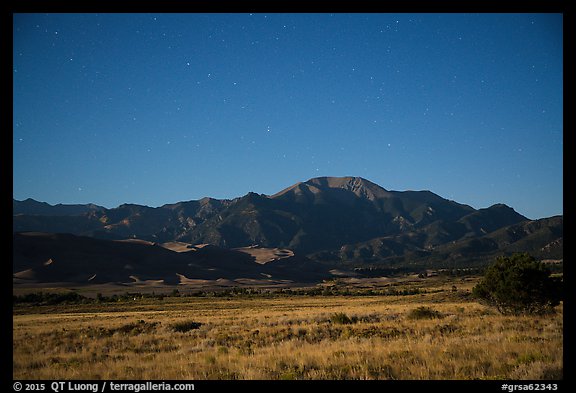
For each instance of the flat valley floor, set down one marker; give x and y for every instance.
(439, 334)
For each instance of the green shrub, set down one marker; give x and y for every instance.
(519, 285)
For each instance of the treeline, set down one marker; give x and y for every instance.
(43, 298)
(376, 271)
(326, 291)
(48, 299)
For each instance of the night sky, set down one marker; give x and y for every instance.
(161, 108)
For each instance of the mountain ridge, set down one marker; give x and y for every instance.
(356, 184)
(329, 219)
(31, 206)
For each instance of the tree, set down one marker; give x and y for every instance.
(519, 285)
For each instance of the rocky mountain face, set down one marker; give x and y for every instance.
(339, 220)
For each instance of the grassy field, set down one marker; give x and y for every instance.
(441, 334)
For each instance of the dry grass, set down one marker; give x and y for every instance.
(287, 338)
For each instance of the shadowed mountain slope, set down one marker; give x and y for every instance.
(330, 219)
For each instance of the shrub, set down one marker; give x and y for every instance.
(424, 312)
(343, 319)
(519, 285)
(185, 326)
(136, 328)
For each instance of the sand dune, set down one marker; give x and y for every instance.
(27, 274)
(48, 258)
(177, 246)
(265, 255)
(136, 241)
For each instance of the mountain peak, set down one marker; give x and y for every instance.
(359, 186)
(346, 182)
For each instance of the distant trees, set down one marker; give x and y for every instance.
(519, 285)
(41, 298)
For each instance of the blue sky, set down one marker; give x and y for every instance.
(160, 108)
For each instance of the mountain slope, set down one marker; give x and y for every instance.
(331, 219)
(542, 238)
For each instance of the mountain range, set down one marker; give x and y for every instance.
(325, 223)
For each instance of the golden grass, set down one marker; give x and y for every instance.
(286, 338)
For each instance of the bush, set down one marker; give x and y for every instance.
(136, 328)
(424, 312)
(343, 319)
(185, 326)
(519, 285)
